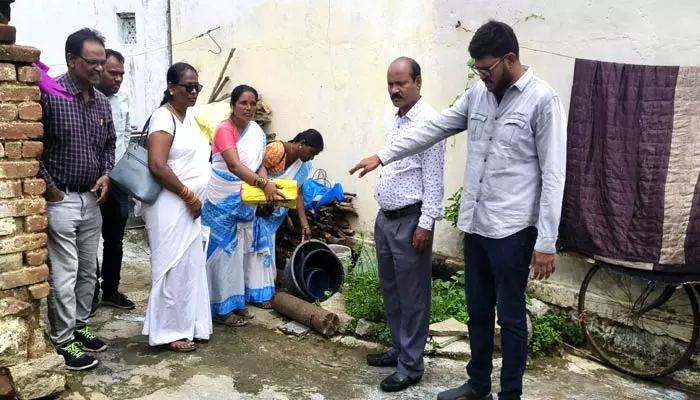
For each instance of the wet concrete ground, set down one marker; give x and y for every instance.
(257, 362)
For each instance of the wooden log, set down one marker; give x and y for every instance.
(322, 321)
(348, 210)
(212, 97)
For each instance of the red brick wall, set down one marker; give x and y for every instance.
(29, 366)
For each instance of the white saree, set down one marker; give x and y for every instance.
(178, 306)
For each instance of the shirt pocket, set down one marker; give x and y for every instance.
(476, 126)
(515, 127)
(101, 131)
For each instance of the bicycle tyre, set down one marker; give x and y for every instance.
(675, 365)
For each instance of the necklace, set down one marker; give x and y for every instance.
(176, 112)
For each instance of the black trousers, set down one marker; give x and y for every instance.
(115, 213)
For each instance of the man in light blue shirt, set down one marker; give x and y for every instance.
(511, 204)
(115, 210)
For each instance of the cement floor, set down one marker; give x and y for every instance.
(257, 362)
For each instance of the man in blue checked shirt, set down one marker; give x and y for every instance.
(79, 141)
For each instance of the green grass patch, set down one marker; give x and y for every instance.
(550, 330)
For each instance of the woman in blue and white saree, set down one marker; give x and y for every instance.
(237, 152)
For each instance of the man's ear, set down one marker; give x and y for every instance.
(419, 81)
(70, 60)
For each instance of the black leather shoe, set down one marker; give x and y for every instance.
(386, 359)
(464, 392)
(397, 382)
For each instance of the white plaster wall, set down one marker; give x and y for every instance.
(322, 63)
(46, 24)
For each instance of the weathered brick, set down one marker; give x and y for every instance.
(13, 350)
(19, 293)
(6, 390)
(35, 257)
(13, 150)
(8, 72)
(13, 262)
(18, 169)
(24, 277)
(29, 111)
(15, 53)
(34, 187)
(8, 112)
(8, 34)
(10, 189)
(8, 226)
(39, 344)
(39, 378)
(28, 74)
(19, 93)
(32, 149)
(36, 223)
(11, 307)
(39, 291)
(21, 130)
(22, 207)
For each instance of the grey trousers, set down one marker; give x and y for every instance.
(74, 234)
(405, 280)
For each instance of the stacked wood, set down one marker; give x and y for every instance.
(331, 225)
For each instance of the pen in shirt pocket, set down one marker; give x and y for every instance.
(102, 121)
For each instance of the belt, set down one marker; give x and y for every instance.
(74, 188)
(413, 209)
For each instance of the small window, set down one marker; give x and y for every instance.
(127, 28)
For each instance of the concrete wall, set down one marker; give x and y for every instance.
(322, 64)
(47, 24)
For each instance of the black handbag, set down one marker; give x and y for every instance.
(131, 174)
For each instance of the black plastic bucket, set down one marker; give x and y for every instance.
(313, 271)
(317, 282)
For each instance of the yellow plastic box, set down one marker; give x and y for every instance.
(254, 196)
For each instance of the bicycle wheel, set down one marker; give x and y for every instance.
(632, 328)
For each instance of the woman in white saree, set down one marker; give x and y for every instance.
(237, 152)
(178, 308)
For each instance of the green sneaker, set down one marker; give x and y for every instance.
(75, 358)
(89, 340)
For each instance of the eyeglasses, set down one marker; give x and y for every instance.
(194, 87)
(487, 71)
(94, 63)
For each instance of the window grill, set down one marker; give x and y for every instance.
(127, 28)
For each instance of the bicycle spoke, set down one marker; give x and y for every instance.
(636, 324)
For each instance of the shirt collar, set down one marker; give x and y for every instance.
(116, 96)
(73, 89)
(413, 112)
(525, 79)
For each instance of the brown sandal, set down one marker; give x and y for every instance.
(244, 313)
(189, 346)
(265, 305)
(232, 319)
